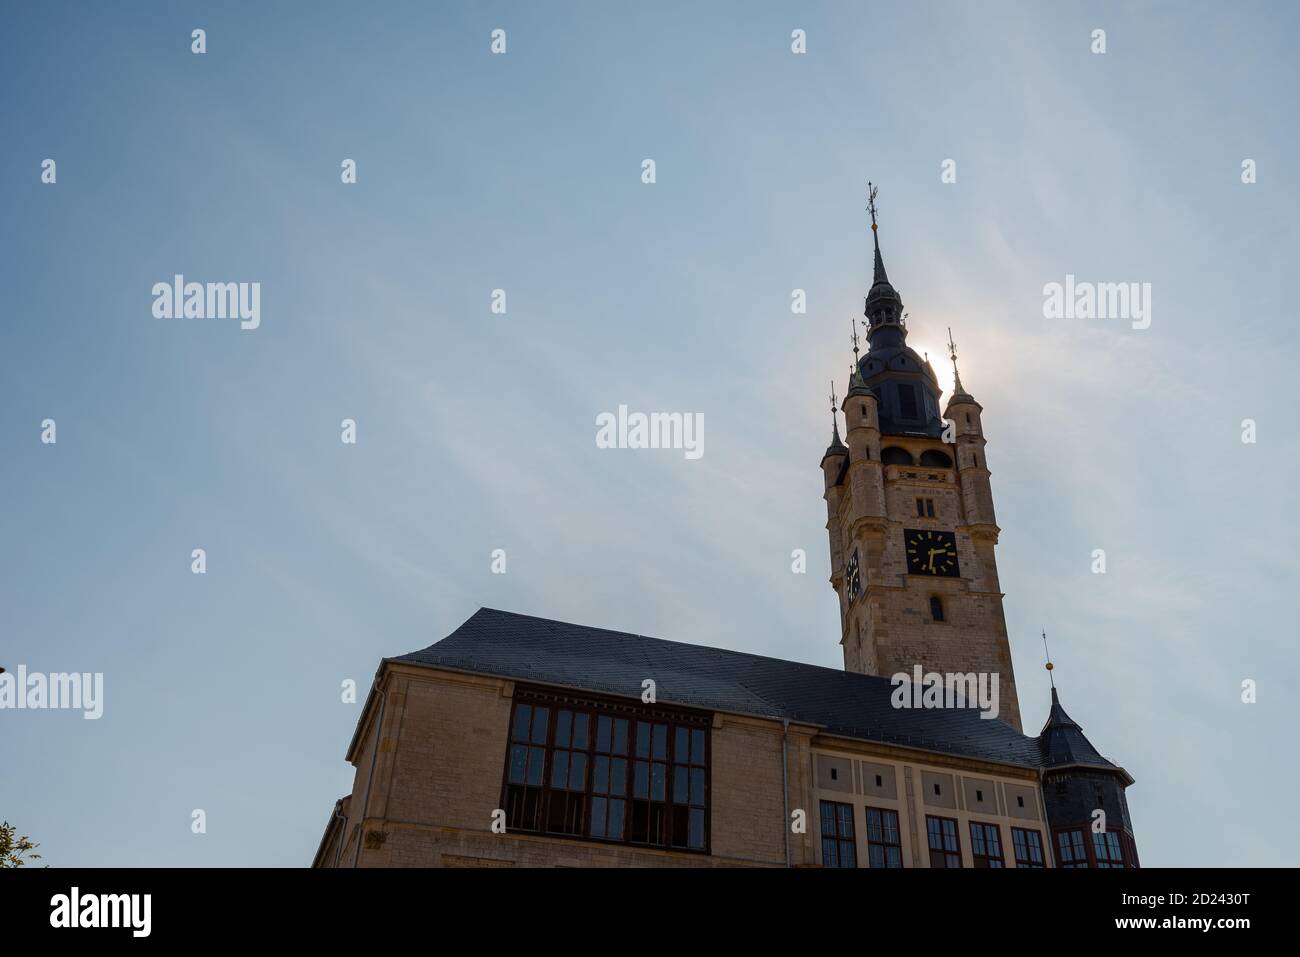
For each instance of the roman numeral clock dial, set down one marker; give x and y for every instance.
(931, 553)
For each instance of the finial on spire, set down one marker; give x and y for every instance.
(1049, 662)
(871, 203)
(834, 404)
(956, 376)
(854, 321)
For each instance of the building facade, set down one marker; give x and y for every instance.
(518, 741)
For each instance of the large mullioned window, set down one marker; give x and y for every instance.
(1028, 847)
(884, 845)
(945, 851)
(839, 848)
(608, 771)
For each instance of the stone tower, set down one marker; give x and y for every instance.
(910, 514)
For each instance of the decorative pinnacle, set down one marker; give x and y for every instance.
(871, 203)
(855, 340)
(956, 376)
(1049, 660)
(834, 404)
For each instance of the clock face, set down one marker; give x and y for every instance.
(931, 553)
(853, 576)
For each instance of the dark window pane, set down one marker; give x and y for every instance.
(660, 741)
(640, 779)
(563, 728)
(598, 806)
(696, 837)
(658, 781)
(580, 732)
(643, 739)
(681, 784)
(697, 785)
(604, 726)
(518, 762)
(578, 772)
(616, 820)
(829, 856)
(536, 760)
(540, 716)
(618, 776)
(559, 769)
(620, 736)
(697, 746)
(681, 744)
(600, 775)
(828, 819)
(523, 714)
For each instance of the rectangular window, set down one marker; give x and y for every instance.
(1027, 846)
(986, 845)
(907, 408)
(589, 768)
(945, 851)
(1070, 849)
(884, 846)
(1106, 849)
(838, 846)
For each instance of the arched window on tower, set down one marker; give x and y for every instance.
(893, 455)
(936, 608)
(936, 459)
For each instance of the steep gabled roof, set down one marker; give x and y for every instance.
(538, 650)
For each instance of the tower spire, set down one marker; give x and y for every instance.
(878, 271)
(1048, 666)
(837, 444)
(883, 307)
(957, 388)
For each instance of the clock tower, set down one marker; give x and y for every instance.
(910, 513)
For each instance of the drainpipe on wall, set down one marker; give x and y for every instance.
(785, 784)
(374, 754)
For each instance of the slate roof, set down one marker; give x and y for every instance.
(541, 651)
(1062, 742)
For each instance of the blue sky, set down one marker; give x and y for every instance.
(476, 431)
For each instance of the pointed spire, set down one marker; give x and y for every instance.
(878, 272)
(957, 388)
(883, 306)
(857, 385)
(837, 446)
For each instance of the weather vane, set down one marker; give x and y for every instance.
(1045, 651)
(854, 321)
(871, 203)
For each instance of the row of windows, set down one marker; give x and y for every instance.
(1072, 849)
(884, 844)
(580, 770)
